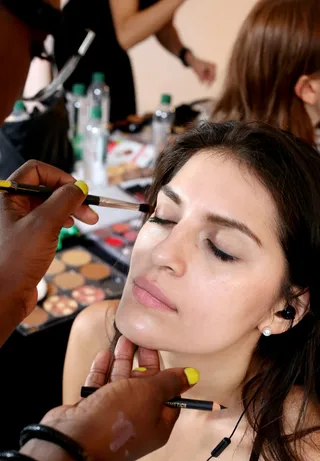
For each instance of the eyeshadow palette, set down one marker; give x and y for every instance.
(118, 240)
(75, 279)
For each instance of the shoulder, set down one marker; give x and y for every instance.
(96, 321)
(91, 332)
(308, 445)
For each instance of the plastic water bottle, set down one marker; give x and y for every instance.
(77, 111)
(19, 113)
(162, 122)
(77, 102)
(99, 96)
(95, 152)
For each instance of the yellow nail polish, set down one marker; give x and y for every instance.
(5, 184)
(140, 369)
(82, 186)
(192, 375)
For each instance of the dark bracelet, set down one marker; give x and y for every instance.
(42, 432)
(182, 56)
(15, 456)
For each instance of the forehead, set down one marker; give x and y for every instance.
(214, 182)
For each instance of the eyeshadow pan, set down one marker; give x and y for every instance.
(114, 286)
(120, 228)
(114, 242)
(69, 280)
(56, 267)
(88, 294)
(136, 224)
(131, 236)
(60, 305)
(37, 317)
(96, 271)
(76, 257)
(52, 289)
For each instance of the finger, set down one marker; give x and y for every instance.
(54, 212)
(35, 173)
(148, 359)
(173, 382)
(123, 358)
(98, 370)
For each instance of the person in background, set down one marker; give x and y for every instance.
(121, 24)
(274, 69)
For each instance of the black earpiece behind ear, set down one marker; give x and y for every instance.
(288, 312)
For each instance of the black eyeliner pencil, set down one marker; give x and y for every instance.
(188, 404)
(13, 188)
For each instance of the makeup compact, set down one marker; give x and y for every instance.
(75, 279)
(118, 240)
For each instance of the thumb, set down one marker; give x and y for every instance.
(171, 383)
(53, 213)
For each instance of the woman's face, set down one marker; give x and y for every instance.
(207, 268)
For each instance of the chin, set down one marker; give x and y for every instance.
(137, 329)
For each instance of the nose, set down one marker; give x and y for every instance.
(172, 254)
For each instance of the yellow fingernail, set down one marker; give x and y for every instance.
(192, 375)
(82, 186)
(141, 369)
(5, 184)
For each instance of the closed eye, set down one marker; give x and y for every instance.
(162, 222)
(219, 253)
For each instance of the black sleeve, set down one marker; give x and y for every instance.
(146, 3)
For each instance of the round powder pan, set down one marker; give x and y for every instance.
(96, 271)
(120, 228)
(88, 295)
(60, 306)
(131, 236)
(69, 280)
(115, 242)
(37, 317)
(76, 257)
(56, 267)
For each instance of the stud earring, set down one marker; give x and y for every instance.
(266, 332)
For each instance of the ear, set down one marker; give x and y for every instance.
(277, 323)
(305, 90)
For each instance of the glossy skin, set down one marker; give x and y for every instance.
(197, 291)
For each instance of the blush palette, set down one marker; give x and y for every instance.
(75, 279)
(118, 240)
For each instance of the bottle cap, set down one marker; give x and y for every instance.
(166, 99)
(79, 89)
(19, 105)
(96, 113)
(98, 77)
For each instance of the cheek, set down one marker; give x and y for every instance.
(148, 238)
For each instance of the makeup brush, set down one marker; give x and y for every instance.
(13, 188)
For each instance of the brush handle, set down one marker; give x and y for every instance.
(44, 193)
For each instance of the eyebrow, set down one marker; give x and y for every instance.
(214, 218)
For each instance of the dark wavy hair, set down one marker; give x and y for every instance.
(290, 171)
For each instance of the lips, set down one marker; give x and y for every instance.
(150, 295)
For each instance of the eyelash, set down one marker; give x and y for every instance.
(215, 250)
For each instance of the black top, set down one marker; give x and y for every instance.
(105, 54)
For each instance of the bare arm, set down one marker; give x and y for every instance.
(133, 26)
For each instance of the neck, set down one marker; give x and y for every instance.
(222, 374)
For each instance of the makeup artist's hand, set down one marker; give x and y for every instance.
(29, 231)
(125, 419)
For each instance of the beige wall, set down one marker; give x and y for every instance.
(209, 28)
